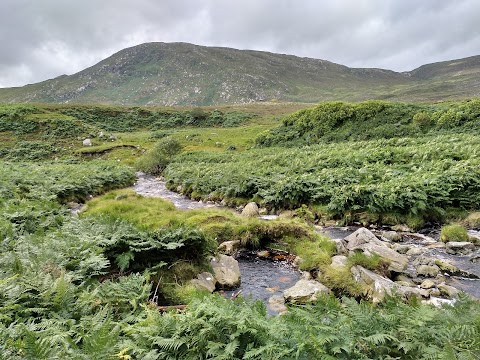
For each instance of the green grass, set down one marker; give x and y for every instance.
(453, 233)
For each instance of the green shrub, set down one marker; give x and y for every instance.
(155, 160)
(422, 119)
(453, 233)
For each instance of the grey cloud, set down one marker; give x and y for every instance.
(44, 39)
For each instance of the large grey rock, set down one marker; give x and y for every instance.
(229, 247)
(365, 240)
(358, 238)
(304, 291)
(205, 281)
(375, 287)
(226, 271)
(397, 262)
(459, 247)
(87, 142)
(250, 210)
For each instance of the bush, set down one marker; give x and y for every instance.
(422, 119)
(155, 161)
(453, 233)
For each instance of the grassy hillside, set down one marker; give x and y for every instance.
(186, 74)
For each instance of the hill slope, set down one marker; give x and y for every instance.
(186, 74)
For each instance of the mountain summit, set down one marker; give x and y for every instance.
(186, 74)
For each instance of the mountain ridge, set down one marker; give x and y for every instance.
(194, 75)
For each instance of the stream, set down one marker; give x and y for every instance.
(263, 279)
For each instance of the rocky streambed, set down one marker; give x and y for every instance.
(419, 265)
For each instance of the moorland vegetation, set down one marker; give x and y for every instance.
(91, 286)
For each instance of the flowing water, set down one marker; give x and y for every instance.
(262, 279)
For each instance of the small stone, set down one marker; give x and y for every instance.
(206, 281)
(401, 248)
(229, 247)
(87, 142)
(392, 236)
(287, 214)
(263, 254)
(427, 284)
(277, 304)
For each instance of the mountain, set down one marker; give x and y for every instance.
(186, 74)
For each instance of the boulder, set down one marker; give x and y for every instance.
(250, 210)
(359, 237)
(409, 292)
(206, 281)
(414, 251)
(428, 270)
(375, 286)
(391, 236)
(229, 247)
(447, 267)
(226, 271)
(341, 247)
(459, 247)
(448, 290)
(427, 284)
(87, 142)
(397, 262)
(304, 291)
(365, 240)
(339, 261)
(401, 248)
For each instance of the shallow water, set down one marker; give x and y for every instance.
(263, 278)
(151, 186)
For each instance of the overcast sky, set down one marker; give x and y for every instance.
(42, 39)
